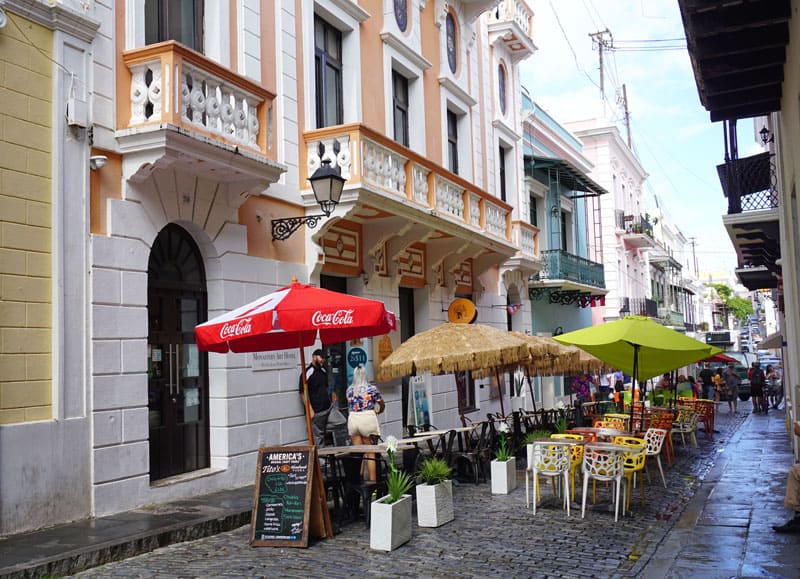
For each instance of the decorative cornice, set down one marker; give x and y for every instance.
(56, 17)
(460, 93)
(396, 43)
(352, 9)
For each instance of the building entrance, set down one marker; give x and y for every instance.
(177, 370)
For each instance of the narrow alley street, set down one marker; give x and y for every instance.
(713, 520)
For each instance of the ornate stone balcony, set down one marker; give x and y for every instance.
(393, 178)
(169, 83)
(511, 23)
(186, 108)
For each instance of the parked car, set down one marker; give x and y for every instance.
(743, 362)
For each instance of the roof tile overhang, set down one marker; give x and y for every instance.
(738, 53)
(567, 175)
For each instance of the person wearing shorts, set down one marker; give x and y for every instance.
(364, 402)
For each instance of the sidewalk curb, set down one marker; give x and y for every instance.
(680, 533)
(101, 553)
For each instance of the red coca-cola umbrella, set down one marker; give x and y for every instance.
(295, 317)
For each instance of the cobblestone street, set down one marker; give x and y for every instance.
(492, 536)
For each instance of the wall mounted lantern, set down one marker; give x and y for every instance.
(327, 184)
(766, 135)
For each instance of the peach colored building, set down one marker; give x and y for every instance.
(150, 147)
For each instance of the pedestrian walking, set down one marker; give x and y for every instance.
(719, 385)
(732, 382)
(774, 386)
(707, 378)
(757, 383)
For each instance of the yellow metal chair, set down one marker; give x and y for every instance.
(686, 423)
(633, 461)
(616, 424)
(575, 456)
(617, 417)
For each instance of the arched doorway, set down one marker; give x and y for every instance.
(177, 370)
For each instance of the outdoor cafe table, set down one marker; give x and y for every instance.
(441, 448)
(598, 433)
(358, 449)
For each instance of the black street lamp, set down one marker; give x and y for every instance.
(766, 137)
(327, 184)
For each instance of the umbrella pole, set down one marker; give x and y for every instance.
(458, 396)
(634, 381)
(305, 394)
(500, 390)
(530, 387)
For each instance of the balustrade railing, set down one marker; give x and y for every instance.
(172, 84)
(369, 159)
(513, 11)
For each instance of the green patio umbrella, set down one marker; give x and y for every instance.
(639, 347)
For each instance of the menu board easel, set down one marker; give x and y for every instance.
(289, 498)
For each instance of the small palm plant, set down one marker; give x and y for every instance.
(536, 435)
(433, 471)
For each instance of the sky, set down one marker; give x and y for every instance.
(672, 134)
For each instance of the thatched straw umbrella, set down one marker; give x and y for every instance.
(455, 348)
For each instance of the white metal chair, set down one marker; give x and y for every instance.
(654, 437)
(603, 462)
(551, 459)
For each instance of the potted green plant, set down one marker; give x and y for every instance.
(390, 518)
(434, 493)
(504, 465)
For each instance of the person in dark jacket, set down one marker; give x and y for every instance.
(757, 382)
(319, 398)
(706, 377)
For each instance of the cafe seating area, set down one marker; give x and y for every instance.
(588, 443)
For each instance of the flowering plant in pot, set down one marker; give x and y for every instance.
(504, 465)
(390, 519)
(435, 493)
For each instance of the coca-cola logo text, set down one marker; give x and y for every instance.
(337, 318)
(231, 330)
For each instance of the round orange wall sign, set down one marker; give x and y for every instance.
(461, 311)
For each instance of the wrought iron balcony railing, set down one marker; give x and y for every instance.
(638, 307)
(671, 317)
(750, 183)
(558, 264)
(637, 225)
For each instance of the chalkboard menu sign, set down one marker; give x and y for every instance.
(283, 496)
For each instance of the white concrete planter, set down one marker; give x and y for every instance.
(435, 504)
(390, 525)
(504, 476)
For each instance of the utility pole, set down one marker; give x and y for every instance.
(627, 113)
(599, 39)
(693, 241)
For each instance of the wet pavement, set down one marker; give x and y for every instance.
(713, 520)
